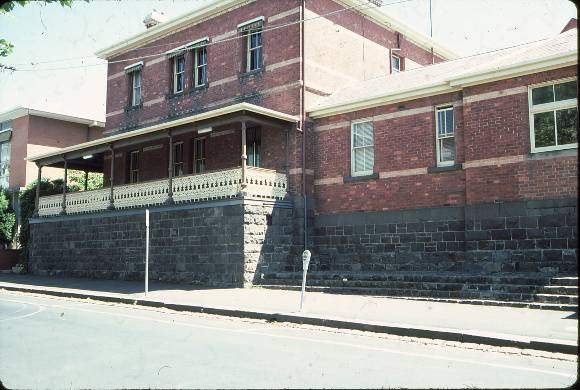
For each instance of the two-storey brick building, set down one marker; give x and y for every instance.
(233, 122)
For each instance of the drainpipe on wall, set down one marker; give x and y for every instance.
(303, 121)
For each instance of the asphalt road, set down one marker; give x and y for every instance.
(62, 343)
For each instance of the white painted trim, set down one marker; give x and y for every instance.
(23, 111)
(284, 14)
(247, 22)
(178, 122)
(187, 45)
(495, 94)
(140, 63)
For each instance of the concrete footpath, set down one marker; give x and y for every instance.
(545, 330)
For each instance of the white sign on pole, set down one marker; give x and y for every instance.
(305, 262)
(146, 251)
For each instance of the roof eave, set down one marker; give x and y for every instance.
(23, 111)
(165, 28)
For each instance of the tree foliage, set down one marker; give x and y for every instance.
(77, 178)
(7, 220)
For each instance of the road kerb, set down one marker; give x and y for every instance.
(408, 331)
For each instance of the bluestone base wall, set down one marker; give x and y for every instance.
(530, 236)
(218, 244)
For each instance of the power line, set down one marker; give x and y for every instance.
(272, 28)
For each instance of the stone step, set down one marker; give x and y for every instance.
(564, 281)
(560, 290)
(555, 298)
(479, 287)
(473, 301)
(524, 279)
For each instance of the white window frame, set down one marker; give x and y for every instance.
(136, 97)
(175, 74)
(393, 69)
(197, 81)
(444, 107)
(249, 50)
(547, 107)
(352, 148)
(5, 165)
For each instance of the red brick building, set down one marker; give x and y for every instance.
(254, 134)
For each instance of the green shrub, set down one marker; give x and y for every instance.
(7, 220)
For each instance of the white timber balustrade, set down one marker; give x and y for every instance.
(260, 183)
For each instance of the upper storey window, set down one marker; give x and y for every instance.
(397, 62)
(252, 30)
(178, 73)
(362, 153)
(178, 55)
(200, 55)
(553, 115)
(134, 73)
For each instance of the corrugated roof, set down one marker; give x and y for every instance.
(448, 75)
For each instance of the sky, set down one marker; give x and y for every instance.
(58, 71)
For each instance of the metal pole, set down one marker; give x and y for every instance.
(303, 288)
(305, 262)
(146, 251)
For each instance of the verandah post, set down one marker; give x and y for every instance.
(111, 178)
(170, 171)
(244, 155)
(37, 200)
(64, 185)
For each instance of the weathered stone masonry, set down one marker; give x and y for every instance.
(531, 236)
(219, 244)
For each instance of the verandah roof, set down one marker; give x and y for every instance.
(102, 144)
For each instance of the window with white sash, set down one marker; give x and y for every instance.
(445, 133)
(136, 87)
(254, 50)
(362, 148)
(200, 55)
(553, 115)
(178, 73)
(4, 164)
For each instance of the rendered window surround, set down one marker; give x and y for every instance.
(547, 108)
(253, 50)
(134, 167)
(446, 136)
(178, 74)
(200, 66)
(199, 155)
(368, 149)
(135, 88)
(178, 159)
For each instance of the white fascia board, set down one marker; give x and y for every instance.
(140, 63)
(533, 66)
(163, 29)
(162, 126)
(258, 19)
(182, 47)
(23, 111)
(392, 24)
(363, 104)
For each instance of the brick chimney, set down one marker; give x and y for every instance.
(154, 18)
